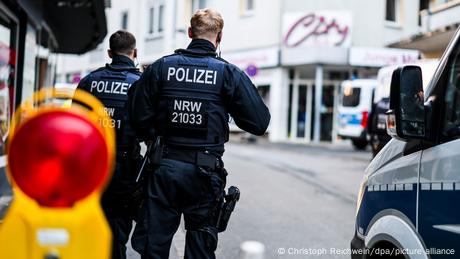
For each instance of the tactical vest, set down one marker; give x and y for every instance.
(190, 106)
(110, 85)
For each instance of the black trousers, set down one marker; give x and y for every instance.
(118, 205)
(173, 189)
(121, 228)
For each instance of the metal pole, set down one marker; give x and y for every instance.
(252, 250)
(318, 102)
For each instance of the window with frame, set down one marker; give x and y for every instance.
(452, 100)
(247, 7)
(124, 20)
(156, 18)
(391, 10)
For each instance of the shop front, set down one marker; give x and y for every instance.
(316, 57)
(262, 66)
(314, 53)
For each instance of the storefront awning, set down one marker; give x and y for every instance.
(78, 25)
(74, 26)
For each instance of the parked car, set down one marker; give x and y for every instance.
(355, 102)
(408, 198)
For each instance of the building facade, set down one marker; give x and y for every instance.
(296, 52)
(438, 21)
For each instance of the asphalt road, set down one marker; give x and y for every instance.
(298, 201)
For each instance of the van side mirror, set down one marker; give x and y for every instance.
(406, 117)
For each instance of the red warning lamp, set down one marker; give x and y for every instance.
(364, 119)
(58, 158)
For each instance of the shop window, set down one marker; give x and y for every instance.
(7, 75)
(30, 67)
(302, 111)
(156, 18)
(124, 20)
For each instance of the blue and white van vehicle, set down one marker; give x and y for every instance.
(353, 110)
(408, 200)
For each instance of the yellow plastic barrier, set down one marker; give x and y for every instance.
(56, 210)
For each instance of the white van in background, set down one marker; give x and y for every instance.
(382, 90)
(378, 136)
(355, 102)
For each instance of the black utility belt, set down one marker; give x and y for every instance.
(128, 151)
(201, 158)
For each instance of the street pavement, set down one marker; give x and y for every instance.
(299, 201)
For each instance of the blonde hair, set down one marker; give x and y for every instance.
(206, 22)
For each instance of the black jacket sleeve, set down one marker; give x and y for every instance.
(140, 105)
(244, 104)
(84, 84)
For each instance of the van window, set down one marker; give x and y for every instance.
(351, 96)
(452, 100)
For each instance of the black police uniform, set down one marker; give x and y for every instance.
(110, 85)
(186, 98)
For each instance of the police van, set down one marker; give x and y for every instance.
(408, 200)
(355, 102)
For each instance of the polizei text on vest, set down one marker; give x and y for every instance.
(192, 75)
(111, 87)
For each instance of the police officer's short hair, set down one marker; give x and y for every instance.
(122, 42)
(205, 21)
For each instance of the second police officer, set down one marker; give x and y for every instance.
(110, 85)
(186, 99)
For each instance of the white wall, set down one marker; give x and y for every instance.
(242, 32)
(408, 24)
(369, 26)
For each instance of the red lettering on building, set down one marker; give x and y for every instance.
(314, 26)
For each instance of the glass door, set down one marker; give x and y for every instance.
(300, 111)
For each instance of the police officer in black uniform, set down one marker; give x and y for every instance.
(110, 85)
(186, 99)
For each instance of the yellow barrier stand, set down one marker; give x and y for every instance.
(60, 159)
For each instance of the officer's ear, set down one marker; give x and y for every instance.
(219, 37)
(110, 53)
(135, 53)
(190, 33)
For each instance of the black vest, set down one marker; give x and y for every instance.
(110, 85)
(191, 112)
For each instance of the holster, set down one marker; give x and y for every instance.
(226, 207)
(209, 164)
